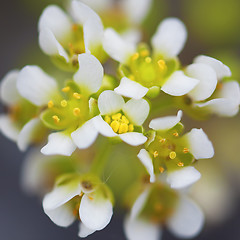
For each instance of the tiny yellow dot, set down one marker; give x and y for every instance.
(144, 53)
(56, 119)
(162, 65)
(180, 164)
(135, 56)
(76, 111)
(175, 134)
(163, 140)
(66, 89)
(50, 104)
(172, 155)
(148, 60)
(161, 169)
(64, 103)
(155, 154)
(186, 150)
(131, 77)
(76, 95)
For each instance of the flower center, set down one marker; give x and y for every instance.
(119, 123)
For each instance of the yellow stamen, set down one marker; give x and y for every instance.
(56, 119)
(115, 125)
(116, 116)
(90, 198)
(76, 112)
(163, 140)
(107, 119)
(180, 164)
(186, 150)
(66, 89)
(125, 120)
(76, 95)
(155, 154)
(130, 127)
(148, 60)
(131, 77)
(81, 194)
(175, 134)
(123, 128)
(64, 103)
(161, 169)
(172, 155)
(50, 104)
(144, 53)
(162, 65)
(135, 56)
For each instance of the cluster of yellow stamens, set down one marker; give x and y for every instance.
(119, 123)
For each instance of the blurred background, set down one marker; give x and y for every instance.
(213, 27)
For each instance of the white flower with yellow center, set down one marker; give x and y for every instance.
(66, 37)
(120, 119)
(68, 113)
(144, 72)
(80, 197)
(169, 152)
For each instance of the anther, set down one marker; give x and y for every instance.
(125, 120)
(90, 198)
(123, 128)
(185, 150)
(81, 194)
(116, 116)
(148, 60)
(131, 77)
(162, 65)
(115, 126)
(66, 89)
(144, 53)
(64, 103)
(107, 119)
(50, 104)
(76, 111)
(155, 154)
(180, 164)
(56, 119)
(175, 134)
(161, 169)
(172, 155)
(76, 95)
(130, 127)
(163, 140)
(135, 56)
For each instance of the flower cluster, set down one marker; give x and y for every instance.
(96, 111)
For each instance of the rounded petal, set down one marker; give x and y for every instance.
(99, 6)
(103, 127)
(132, 35)
(165, 123)
(95, 214)
(8, 89)
(90, 73)
(146, 160)
(110, 102)
(9, 128)
(139, 229)
(131, 89)
(199, 145)
(230, 90)
(116, 47)
(179, 84)
(133, 138)
(136, 111)
(183, 178)
(59, 143)
(27, 133)
(139, 13)
(85, 135)
(50, 45)
(207, 84)
(62, 216)
(187, 221)
(55, 19)
(220, 69)
(35, 85)
(84, 231)
(170, 38)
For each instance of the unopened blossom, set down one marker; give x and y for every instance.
(64, 37)
(159, 206)
(21, 123)
(145, 72)
(82, 197)
(68, 112)
(120, 119)
(169, 152)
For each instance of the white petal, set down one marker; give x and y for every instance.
(207, 84)
(170, 38)
(199, 144)
(131, 89)
(62, 216)
(188, 220)
(140, 229)
(220, 69)
(136, 14)
(110, 102)
(93, 35)
(55, 19)
(99, 6)
(61, 194)
(132, 35)
(8, 89)
(230, 90)
(165, 123)
(116, 47)
(179, 84)
(50, 45)
(84, 231)
(146, 160)
(85, 135)
(133, 138)
(95, 213)
(59, 143)
(90, 73)
(35, 85)
(136, 111)
(8, 127)
(183, 178)
(103, 127)
(27, 133)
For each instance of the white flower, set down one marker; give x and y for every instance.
(79, 196)
(180, 215)
(168, 151)
(120, 119)
(143, 73)
(61, 35)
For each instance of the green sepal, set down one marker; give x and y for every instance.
(61, 63)
(93, 107)
(153, 92)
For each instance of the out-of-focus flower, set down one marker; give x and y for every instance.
(120, 119)
(157, 206)
(148, 73)
(167, 151)
(84, 197)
